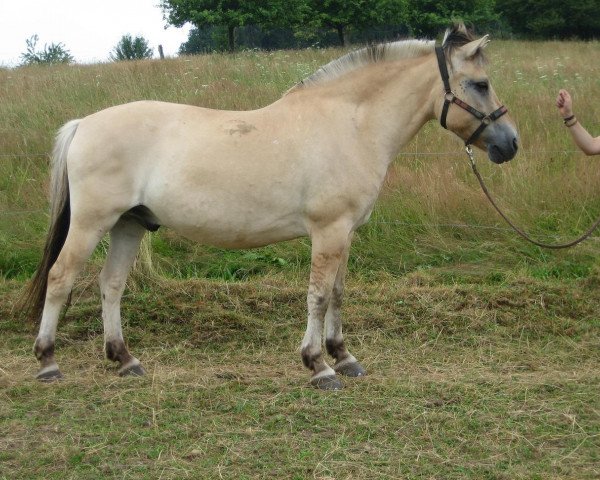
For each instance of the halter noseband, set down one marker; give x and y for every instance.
(450, 97)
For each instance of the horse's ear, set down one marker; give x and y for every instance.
(474, 48)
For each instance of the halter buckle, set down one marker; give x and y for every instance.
(469, 150)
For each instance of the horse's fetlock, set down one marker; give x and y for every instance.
(310, 359)
(43, 349)
(116, 351)
(335, 348)
(314, 361)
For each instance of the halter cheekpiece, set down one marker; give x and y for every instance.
(450, 97)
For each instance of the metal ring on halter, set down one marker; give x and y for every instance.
(449, 96)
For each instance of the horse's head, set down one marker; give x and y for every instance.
(470, 107)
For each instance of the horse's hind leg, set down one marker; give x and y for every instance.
(125, 238)
(345, 363)
(78, 247)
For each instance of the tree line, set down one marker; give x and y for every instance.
(277, 24)
(273, 24)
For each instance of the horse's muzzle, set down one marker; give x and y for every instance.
(500, 152)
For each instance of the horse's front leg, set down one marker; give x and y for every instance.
(345, 363)
(328, 246)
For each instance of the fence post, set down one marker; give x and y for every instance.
(160, 52)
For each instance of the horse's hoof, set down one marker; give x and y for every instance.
(49, 376)
(328, 382)
(133, 370)
(353, 369)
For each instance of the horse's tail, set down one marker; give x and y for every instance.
(60, 218)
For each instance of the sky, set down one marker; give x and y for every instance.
(89, 29)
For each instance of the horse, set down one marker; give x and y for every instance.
(310, 164)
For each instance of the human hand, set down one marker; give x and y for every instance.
(564, 102)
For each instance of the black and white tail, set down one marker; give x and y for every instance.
(60, 217)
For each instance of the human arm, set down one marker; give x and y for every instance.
(588, 144)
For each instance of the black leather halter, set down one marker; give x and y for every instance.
(450, 97)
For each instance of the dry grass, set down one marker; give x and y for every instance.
(465, 382)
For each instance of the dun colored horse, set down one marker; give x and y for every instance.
(310, 164)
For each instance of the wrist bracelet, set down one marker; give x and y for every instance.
(569, 125)
(568, 119)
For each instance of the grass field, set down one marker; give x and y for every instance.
(483, 351)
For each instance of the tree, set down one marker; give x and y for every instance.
(342, 15)
(231, 14)
(552, 18)
(201, 40)
(53, 53)
(429, 17)
(130, 48)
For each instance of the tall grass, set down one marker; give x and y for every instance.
(431, 214)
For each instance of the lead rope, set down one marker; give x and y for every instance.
(580, 239)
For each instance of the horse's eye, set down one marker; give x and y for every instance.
(483, 87)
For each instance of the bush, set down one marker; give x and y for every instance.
(51, 54)
(130, 48)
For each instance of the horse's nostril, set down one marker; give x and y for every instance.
(515, 144)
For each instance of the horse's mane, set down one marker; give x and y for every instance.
(454, 37)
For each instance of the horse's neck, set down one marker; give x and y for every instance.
(382, 106)
(400, 103)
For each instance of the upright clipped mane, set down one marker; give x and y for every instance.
(456, 37)
(359, 58)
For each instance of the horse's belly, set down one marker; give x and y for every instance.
(234, 229)
(238, 238)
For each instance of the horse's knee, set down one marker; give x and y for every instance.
(318, 303)
(335, 302)
(111, 287)
(321, 301)
(57, 282)
(60, 281)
